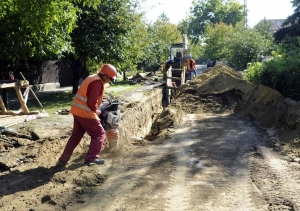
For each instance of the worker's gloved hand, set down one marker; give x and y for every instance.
(98, 112)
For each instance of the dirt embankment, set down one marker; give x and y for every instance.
(222, 89)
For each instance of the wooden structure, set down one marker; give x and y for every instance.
(16, 85)
(174, 78)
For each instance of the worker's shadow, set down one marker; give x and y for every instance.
(17, 181)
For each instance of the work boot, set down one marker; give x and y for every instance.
(61, 164)
(96, 161)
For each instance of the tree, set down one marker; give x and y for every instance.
(214, 40)
(133, 50)
(291, 26)
(264, 27)
(153, 44)
(236, 45)
(99, 36)
(246, 45)
(164, 33)
(36, 28)
(281, 72)
(206, 12)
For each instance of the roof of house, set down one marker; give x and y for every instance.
(276, 23)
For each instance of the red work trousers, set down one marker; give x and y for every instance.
(94, 129)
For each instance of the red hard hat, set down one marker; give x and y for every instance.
(109, 70)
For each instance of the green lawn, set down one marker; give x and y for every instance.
(63, 100)
(120, 87)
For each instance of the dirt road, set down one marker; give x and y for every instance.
(211, 162)
(223, 145)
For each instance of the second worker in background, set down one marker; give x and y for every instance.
(191, 67)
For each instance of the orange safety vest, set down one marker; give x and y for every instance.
(190, 64)
(79, 106)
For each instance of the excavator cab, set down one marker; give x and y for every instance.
(175, 56)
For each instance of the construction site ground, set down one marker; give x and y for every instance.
(223, 144)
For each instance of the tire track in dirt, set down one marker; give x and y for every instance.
(162, 185)
(152, 189)
(120, 181)
(152, 185)
(138, 174)
(210, 163)
(177, 192)
(222, 181)
(242, 194)
(136, 170)
(155, 177)
(288, 181)
(268, 183)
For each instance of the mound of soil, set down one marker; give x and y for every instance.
(221, 89)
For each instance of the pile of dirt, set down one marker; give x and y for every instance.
(221, 89)
(169, 118)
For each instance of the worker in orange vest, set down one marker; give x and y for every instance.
(191, 67)
(86, 116)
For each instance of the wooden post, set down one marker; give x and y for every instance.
(16, 85)
(183, 75)
(2, 106)
(5, 98)
(168, 84)
(21, 99)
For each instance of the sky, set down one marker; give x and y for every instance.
(257, 9)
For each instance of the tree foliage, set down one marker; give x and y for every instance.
(206, 12)
(214, 40)
(100, 30)
(132, 46)
(264, 27)
(291, 26)
(163, 33)
(235, 45)
(102, 35)
(36, 28)
(150, 50)
(90, 31)
(281, 72)
(246, 45)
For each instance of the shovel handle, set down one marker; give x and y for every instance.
(32, 91)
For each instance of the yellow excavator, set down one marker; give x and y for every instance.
(175, 70)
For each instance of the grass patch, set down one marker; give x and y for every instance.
(51, 103)
(119, 87)
(63, 100)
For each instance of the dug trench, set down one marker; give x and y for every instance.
(222, 144)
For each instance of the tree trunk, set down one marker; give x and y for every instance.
(75, 83)
(124, 75)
